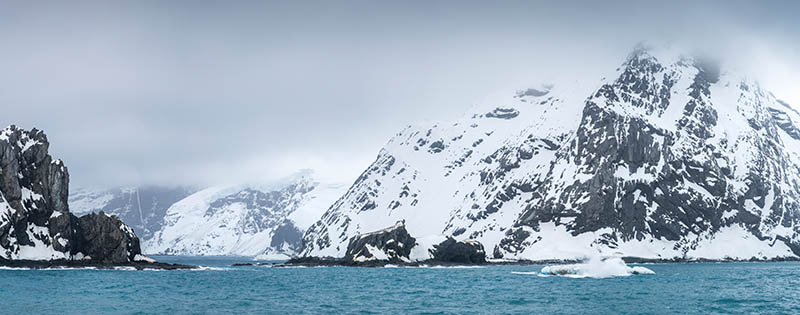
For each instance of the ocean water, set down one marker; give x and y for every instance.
(706, 288)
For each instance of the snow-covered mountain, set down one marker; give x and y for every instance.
(35, 221)
(142, 208)
(668, 156)
(248, 220)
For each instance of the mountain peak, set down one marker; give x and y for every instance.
(660, 162)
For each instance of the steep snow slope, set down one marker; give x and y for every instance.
(246, 220)
(142, 208)
(669, 156)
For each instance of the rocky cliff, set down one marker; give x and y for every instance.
(35, 221)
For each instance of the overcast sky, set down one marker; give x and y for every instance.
(202, 92)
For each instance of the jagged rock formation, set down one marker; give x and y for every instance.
(108, 238)
(668, 157)
(35, 222)
(392, 244)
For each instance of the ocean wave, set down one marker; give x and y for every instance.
(450, 267)
(207, 268)
(53, 268)
(596, 267)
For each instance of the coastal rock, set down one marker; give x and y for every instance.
(35, 222)
(107, 239)
(392, 244)
(465, 252)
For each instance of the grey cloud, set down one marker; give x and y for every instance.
(201, 92)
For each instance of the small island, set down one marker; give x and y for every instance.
(37, 229)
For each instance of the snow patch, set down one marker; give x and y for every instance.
(143, 258)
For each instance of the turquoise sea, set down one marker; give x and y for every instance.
(704, 288)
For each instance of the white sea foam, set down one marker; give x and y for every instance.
(450, 267)
(13, 268)
(596, 267)
(525, 272)
(129, 268)
(45, 269)
(207, 268)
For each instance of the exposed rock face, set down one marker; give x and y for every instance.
(35, 222)
(465, 252)
(503, 113)
(287, 235)
(392, 244)
(668, 157)
(108, 238)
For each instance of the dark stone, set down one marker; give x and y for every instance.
(503, 113)
(437, 146)
(107, 239)
(394, 241)
(533, 92)
(465, 252)
(785, 122)
(287, 233)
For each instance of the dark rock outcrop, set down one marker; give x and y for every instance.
(392, 244)
(35, 222)
(503, 113)
(107, 238)
(286, 235)
(465, 252)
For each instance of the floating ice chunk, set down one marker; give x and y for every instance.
(641, 271)
(596, 268)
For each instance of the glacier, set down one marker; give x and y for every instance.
(263, 219)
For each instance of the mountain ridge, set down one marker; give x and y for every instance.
(263, 219)
(664, 159)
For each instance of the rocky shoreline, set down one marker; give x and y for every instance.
(342, 262)
(70, 264)
(393, 246)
